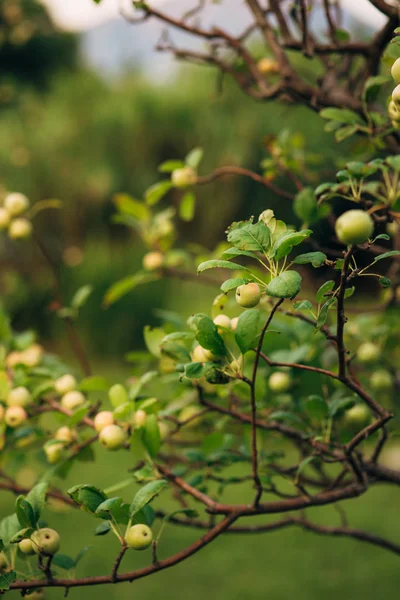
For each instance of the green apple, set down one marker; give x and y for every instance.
(392, 228)
(65, 434)
(279, 382)
(358, 416)
(234, 323)
(5, 218)
(15, 416)
(66, 383)
(200, 354)
(32, 356)
(19, 229)
(393, 111)
(354, 227)
(140, 418)
(381, 381)
(72, 400)
(54, 452)
(368, 353)
(112, 437)
(103, 419)
(153, 261)
(184, 177)
(396, 95)
(19, 396)
(139, 537)
(16, 203)
(26, 547)
(395, 70)
(223, 323)
(248, 295)
(46, 541)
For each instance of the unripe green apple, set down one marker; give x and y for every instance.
(396, 95)
(381, 381)
(5, 218)
(395, 70)
(368, 352)
(19, 229)
(65, 435)
(15, 416)
(200, 354)
(13, 359)
(393, 111)
(223, 323)
(19, 396)
(248, 295)
(268, 66)
(16, 203)
(279, 382)
(46, 541)
(139, 537)
(71, 400)
(32, 356)
(392, 228)
(3, 562)
(152, 261)
(66, 383)
(112, 437)
(234, 323)
(54, 452)
(354, 227)
(184, 177)
(140, 418)
(26, 547)
(103, 419)
(358, 416)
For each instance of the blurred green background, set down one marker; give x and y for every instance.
(69, 134)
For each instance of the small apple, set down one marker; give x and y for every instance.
(139, 537)
(381, 381)
(392, 228)
(54, 452)
(26, 547)
(279, 382)
(66, 383)
(354, 227)
(234, 323)
(32, 356)
(268, 66)
(395, 70)
(19, 229)
(46, 541)
(248, 295)
(15, 416)
(153, 261)
(358, 416)
(72, 400)
(393, 111)
(5, 218)
(112, 437)
(396, 95)
(223, 323)
(368, 353)
(140, 418)
(13, 359)
(200, 354)
(16, 203)
(103, 419)
(65, 434)
(19, 396)
(184, 177)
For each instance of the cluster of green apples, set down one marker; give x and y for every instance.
(12, 218)
(394, 104)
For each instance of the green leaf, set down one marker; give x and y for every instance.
(248, 329)
(394, 162)
(37, 498)
(247, 235)
(81, 554)
(127, 284)
(323, 313)
(303, 305)
(344, 132)
(8, 528)
(317, 259)
(194, 157)
(219, 264)
(151, 436)
(323, 290)
(234, 252)
(232, 284)
(63, 561)
(207, 334)
(316, 407)
(146, 494)
(88, 497)
(342, 115)
(349, 292)
(25, 512)
(302, 466)
(170, 165)
(385, 255)
(287, 241)
(127, 205)
(286, 285)
(339, 405)
(103, 528)
(153, 339)
(305, 205)
(195, 370)
(113, 508)
(187, 206)
(157, 191)
(80, 297)
(95, 383)
(385, 282)
(21, 535)
(6, 579)
(373, 85)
